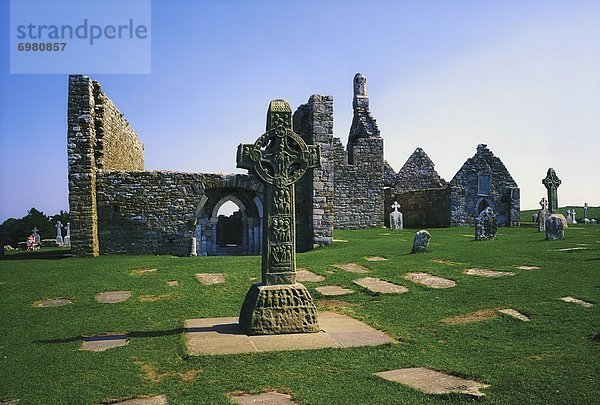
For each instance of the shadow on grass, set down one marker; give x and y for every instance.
(223, 329)
(49, 255)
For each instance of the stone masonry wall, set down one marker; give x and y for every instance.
(313, 121)
(156, 211)
(425, 208)
(81, 140)
(117, 145)
(466, 199)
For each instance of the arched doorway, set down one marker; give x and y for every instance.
(483, 204)
(229, 225)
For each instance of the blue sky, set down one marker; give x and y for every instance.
(520, 76)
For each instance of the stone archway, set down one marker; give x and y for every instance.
(482, 204)
(220, 235)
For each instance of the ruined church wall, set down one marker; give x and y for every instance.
(118, 147)
(313, 121)
(156, 211)
(429, 208)
(359, 187)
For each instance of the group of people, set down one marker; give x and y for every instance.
(32, 243)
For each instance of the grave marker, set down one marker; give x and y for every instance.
(551, 182)
(278, 158)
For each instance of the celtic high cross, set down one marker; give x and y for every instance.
(551, 182)
(278, 158)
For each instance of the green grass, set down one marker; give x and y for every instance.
(554, 359)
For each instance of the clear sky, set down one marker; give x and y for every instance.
(521, 76)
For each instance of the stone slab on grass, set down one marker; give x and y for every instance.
(428, 280)
(433, 382)
(113, 297)
(99, 343)
(375, 258)
(572, 249)
(477, 316)
(488, 273)
(333, 290)
(215, 336)
(52, 302)
(210, 278)
(141, 272)
(524, 267)
(172, 283)
(156, 400)
(266, 398)
(380, 286)
(577, 301)
(306, 275)
(515, 314)
(352, 267)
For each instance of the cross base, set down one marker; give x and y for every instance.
(278, 309)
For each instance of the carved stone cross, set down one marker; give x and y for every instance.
(278, 158)
(395, 206)
(551, 182)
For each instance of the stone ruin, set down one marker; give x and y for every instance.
(118, 207)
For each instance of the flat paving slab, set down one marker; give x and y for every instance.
(572, 249)
(477, 316)
(210, 336)
(380, 286)
(52, 302)
(266, 398)
(577, 301)
(172, 283)
(433, 382)
(113, 297)
(524, 267)
(515, 314)
(156, 400)
(375, 258)
(352, 267)
(307, 275)
(428, 280)
(333, 290)
(488, 273)
(210, 278)
(141, 272)
(99, 343)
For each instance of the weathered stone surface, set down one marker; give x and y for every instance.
(210, 278)
(488, 273)
(524, 267)
(515, 314)
(172, 283)
(380, 286)
(53, 302)
(433, 382)
(551, 182)
(156, 400)
(554, 228)
(477, 316)
(224, 336)
(375, 258)
(485, 225)
(571, 249)
(274, 309)
(306, 275)
(266, 398)
(421, 242)
(141, 272)
(427, 280)
(99, 343)
(333, 290)
(352, 267)
(577, 301)
(113, 297)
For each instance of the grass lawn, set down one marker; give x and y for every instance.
(554, 359)
(593, 212)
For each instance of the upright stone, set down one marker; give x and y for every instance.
(585, 210)
(486, 225)
(278, 158)
(68, 235)
(36, 236)
(554, 228)
(396, 221)
(543, 214)
(421, 241)
(551, 182)
(59, 239)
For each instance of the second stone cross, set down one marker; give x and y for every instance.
(279, 158)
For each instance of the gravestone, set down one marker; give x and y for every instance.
(573, 216)
(68, 235)
(396, 221)
(421, 242)
(279, 158)
(551, 182)
(36, 236)
(486, 225)
(541, 220)
(554, 228)
(585, 210)
(569, 216)
(59, 239)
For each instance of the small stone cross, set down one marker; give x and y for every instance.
(551, 182)
(35, 230)
(395, 206)
(279, 158)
